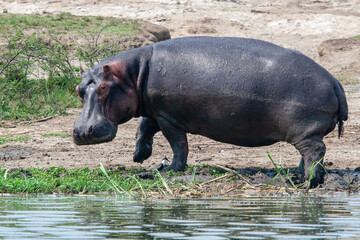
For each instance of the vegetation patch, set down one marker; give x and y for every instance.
(62, 135)
(11, 138)
(345, 80)
(66, 23)
(85, 180)
(202, 180)
(41, 56)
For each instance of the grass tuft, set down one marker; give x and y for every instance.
(11, 138)
(163, 181)
(285, 177)
(62, 135)
(118, 189)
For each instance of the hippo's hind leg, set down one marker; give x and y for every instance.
(312, 150)
(144, 138)
(178, 142)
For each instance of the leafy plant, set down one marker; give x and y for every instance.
(41, 56)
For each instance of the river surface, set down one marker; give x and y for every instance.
(104, 217)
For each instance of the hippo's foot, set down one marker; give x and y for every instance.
(312, 151)
(142, 152)
(176, 167)
(144, 139)
(316, 177)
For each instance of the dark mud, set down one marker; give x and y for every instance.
(213, 181)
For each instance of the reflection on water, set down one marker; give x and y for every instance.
(100, 217)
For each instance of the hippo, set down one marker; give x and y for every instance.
(240, 91)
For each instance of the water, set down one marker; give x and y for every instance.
(101, 217)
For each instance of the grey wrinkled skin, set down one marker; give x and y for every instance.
(240, 91)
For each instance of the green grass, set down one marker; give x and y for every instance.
(12, 138)
(84, 180)
(286, 178)
(345, 80)
(119, 180)
(33, 100)
(357, 37)
(62, 135)
(61, 180)
(41, 55)
(126, 182)
(51, 180)
(66, 23)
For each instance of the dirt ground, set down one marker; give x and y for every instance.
(303, 25)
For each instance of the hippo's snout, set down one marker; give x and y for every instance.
(87, 133)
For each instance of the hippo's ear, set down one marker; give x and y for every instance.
(107, 71)
(117, 70)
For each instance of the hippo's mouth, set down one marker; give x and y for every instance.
(94, 134)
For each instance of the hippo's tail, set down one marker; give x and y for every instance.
(342, 114)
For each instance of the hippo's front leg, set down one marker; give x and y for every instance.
(144, 138)
(178, 142)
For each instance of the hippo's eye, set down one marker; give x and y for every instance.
(103, 91)
(102, 87)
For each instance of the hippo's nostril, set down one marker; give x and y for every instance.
(74, 131)
(90, 129)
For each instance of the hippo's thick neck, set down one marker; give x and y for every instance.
(138, 83)
(139, 72)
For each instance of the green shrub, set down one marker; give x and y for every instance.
(40, 59)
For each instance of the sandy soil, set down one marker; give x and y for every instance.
(301, 25)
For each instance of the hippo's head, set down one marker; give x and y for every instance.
(109, 98)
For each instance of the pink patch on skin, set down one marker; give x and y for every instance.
(123, 103)
(117, 70)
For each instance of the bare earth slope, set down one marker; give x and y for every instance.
(301, 25)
